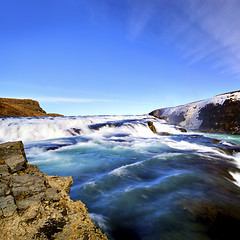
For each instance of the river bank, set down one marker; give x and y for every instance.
(34, 205)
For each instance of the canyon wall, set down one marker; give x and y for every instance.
(10, 107)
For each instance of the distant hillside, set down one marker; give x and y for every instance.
(220, 114)
(10, 107)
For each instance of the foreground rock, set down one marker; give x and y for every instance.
(220, 114)
(22, 108)
(34, 205)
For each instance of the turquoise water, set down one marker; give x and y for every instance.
(225, 137)
(140, 185)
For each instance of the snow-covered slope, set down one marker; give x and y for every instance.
(218, 114)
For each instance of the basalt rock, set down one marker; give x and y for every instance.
(152, 127)
(221, 118)
(34, 205)
(182, 129)
(220, 114)
(164, 133)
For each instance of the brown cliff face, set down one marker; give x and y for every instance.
(34, 205)
(10, 107)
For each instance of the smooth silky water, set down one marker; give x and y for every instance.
(136, 184)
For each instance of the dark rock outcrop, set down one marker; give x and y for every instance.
(34, 205)
(152, 127)
(10, 107)
(221, 118)
(220, 114)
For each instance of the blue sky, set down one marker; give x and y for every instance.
(87, 57)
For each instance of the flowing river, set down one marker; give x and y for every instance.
(138, 184)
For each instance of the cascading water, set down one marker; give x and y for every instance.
(137, 184)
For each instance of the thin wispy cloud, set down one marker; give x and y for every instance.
(71, 100)
(64, 99)
(199, 30)
(140, 16)
(219, 22)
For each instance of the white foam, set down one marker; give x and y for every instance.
(236, 175)
(91, 184)
(100, 220)
(34, 129)
(166, 155)
(39, 156)
(34, 152)
(37, 129)
(123, 170)
(183, 145)
(165, 127)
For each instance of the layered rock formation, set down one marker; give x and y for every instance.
(34, 205)
(22, 108)
(220, 114)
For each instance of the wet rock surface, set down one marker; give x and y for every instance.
(152, 127)
(221, 118)
(34, 205)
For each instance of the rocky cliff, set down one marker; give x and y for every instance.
(220, 114)
(34, 205)
(21, 108)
